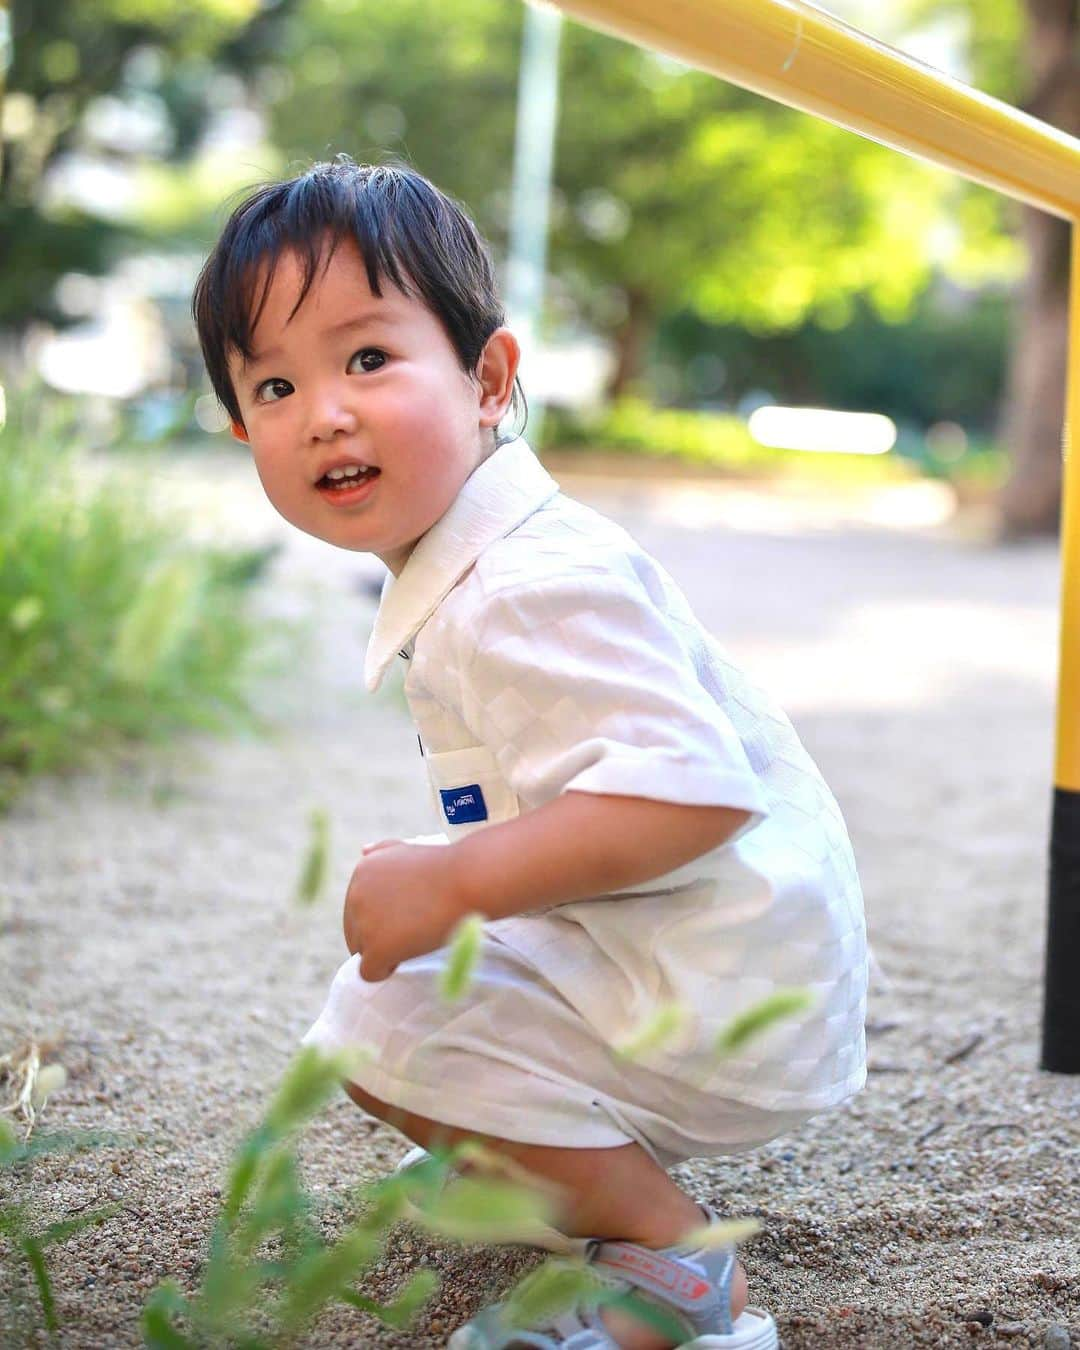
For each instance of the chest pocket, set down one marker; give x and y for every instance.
(469, 790)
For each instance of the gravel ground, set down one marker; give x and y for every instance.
(149, 931)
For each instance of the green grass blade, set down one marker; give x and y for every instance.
(310, 1081)
(65, 1228)
(277, 1198)
(158, 621)
(724, 1234)
(399, 1314)
(36, 1258)
(324, 1275)
(650, 1314)
(245, 1165)
(156, 1322)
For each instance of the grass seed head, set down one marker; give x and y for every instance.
(466, 943)
(660, 1029)
(759, 1018)
(312, 880)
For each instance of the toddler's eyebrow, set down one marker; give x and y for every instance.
(352, 324)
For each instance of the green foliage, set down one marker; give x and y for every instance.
(559, 1284)
(549, 1290)
(481, 1209)
(945, 362)
(115, 626)
(270, 1272)
(671, 185)
(414, 79)
(691, 192)
(38, 251)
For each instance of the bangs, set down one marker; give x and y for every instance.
(303, 218)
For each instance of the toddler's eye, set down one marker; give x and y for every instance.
(357, 359)
(270, 391)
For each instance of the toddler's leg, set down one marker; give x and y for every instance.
(616, 1193)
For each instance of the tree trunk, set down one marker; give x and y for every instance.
(631, 340)
(1030, 502)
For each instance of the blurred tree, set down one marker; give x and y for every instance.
(938, 365)
(418, 80)
(1027, 52)
(674, 190)
(1035, 408)
(140, 68)
(691, 193)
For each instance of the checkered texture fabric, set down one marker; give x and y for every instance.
(567, 658)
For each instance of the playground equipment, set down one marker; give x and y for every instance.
(804, 57)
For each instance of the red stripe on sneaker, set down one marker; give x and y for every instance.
(668, 1274)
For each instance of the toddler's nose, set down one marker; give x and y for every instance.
(329, 417)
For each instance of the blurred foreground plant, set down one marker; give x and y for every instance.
(256, 1298)
(313, 872)
(270, 1272)
(113, 625)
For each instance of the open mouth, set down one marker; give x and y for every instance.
(346, 481)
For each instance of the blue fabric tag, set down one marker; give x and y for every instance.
(463, 804)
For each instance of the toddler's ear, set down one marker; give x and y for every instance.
(239, 432)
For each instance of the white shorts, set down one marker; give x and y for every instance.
(513, 1059)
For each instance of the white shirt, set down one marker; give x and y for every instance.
(547, 651)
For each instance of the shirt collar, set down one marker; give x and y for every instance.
(497, 496)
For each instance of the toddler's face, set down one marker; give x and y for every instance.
(352, 379)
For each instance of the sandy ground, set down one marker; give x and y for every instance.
(149, 929)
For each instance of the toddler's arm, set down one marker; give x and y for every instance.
(579, 845)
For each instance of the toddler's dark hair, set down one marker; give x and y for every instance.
(404, 227)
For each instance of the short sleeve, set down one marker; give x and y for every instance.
(581, 682)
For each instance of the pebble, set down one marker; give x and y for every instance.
(1056, 1338)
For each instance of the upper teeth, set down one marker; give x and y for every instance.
(349, 471)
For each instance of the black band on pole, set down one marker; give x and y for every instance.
(1061, 1006)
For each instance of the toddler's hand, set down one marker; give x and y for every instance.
(400, 903)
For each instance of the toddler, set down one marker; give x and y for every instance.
(635, 821)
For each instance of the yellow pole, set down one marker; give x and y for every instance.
(798, 54)
(1067, 766)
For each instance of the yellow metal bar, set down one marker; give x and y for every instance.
(1067, 768)
(797, 54)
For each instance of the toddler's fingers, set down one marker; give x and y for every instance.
(373, 973)
(379, 843)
